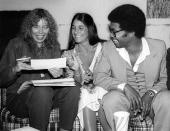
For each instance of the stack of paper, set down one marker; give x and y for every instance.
(54, 82)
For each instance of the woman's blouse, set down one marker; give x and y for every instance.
(85, 60)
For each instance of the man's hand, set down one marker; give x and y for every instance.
(133, 96)
(146, 102)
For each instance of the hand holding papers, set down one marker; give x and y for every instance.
(39, 64)
(23, 63)
(54, 82)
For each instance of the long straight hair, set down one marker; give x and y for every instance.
(88, 21)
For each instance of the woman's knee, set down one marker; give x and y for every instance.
(75, 92)
(42, 94)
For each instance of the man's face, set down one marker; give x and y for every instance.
(118, 35)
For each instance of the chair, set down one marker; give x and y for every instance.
(9, 122)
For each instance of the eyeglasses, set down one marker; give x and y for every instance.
(114, 32)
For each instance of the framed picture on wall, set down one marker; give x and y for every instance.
(158, 11)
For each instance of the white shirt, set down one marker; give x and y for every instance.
(124, 54)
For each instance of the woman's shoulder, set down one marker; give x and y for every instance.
(109, 45)
(16, 42)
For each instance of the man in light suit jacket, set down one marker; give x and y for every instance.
(132, 69)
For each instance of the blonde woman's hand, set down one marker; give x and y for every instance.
(26, 85)
(56, 72)
(21, 66)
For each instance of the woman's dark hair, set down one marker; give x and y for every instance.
(31, 20)
(88, 21)
(130, 18)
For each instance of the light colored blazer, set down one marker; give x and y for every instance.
(110, 71)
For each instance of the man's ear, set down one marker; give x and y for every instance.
(125, 34)
(129, 34)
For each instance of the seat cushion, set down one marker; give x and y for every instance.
(136, 124)
(10, 122)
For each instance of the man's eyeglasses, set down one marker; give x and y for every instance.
(114, 32)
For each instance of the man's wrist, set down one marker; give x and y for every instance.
(155, 91)
(151, 93)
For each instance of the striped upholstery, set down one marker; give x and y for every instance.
(9, 121)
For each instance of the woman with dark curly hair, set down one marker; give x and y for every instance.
(37, 40)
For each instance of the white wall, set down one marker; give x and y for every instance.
(63, 11)
(159, 29)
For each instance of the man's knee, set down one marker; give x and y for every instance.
(163, 99)
(114, 98)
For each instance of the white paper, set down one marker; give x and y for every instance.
(54, 82)
(38, 64)
(27, 128)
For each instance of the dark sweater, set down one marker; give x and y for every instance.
(18, 48)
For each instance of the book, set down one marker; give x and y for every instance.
(54, 82)
(48, 82)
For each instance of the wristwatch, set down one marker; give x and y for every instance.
(151, 93)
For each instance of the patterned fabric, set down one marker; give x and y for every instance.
(9, 121)
(135, 124)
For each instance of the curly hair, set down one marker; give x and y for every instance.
(130, 18)
(88, 21)
(31, 20)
